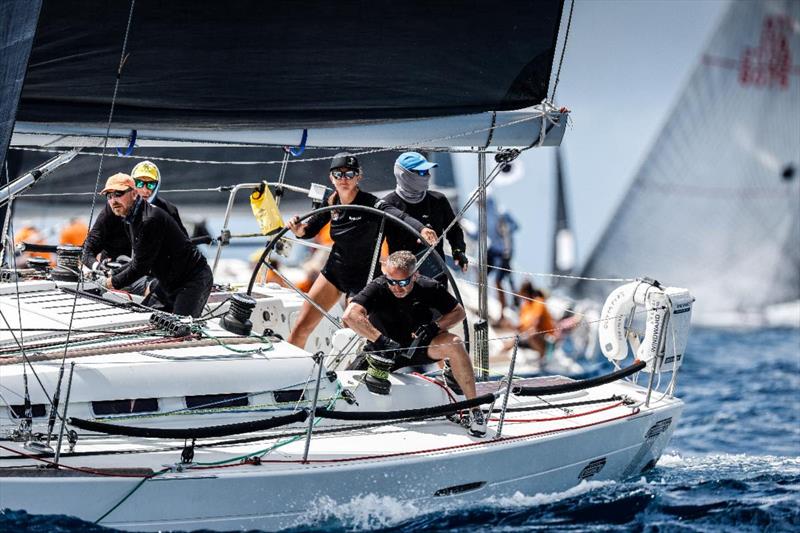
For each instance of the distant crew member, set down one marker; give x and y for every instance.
(538, 330)
(74, 233)
(401, 308)
(502, 227)
(161, 249)
(413, 173)
(354, 234)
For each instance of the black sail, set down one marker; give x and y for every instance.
(260, 65)
(17, 27)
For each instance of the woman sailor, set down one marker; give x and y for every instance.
(354, 234)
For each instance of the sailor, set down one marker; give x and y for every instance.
(74, 233)
(413, 173)
(501, 250)
(354, 234)
(397, 313)
(108, 239)
(537, 328)
(160, 249)
(147, 179)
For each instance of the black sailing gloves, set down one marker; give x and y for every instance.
(461, 259)
(380, 355)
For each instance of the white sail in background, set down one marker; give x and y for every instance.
(716, 204)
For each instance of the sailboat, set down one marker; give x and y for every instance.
(725, 161)
(150, 421)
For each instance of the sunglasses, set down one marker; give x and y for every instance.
(149, 184)
(117, 194)
(423, 172)
(344, 174)
(399, 282)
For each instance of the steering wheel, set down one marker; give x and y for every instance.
(366, 209)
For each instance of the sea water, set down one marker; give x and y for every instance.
(733, 463)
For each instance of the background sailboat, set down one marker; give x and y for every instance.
(716, 203)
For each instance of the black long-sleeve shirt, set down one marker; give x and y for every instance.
(108, 235)
(433, 210)
(354, 232)
(160, 248)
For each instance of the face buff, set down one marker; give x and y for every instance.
(411, 187)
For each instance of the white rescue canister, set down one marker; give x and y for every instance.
(666, 329)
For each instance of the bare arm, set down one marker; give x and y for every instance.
(355, 317)
(452, 318)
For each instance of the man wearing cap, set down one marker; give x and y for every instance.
(147, 179)
(160, 249)
(413, 173)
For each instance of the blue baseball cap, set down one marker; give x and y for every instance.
(415, 161)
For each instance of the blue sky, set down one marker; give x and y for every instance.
(625, 65)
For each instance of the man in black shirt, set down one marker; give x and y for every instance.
(160, 249)
(402, 310)
(413, 173)
(108, 238)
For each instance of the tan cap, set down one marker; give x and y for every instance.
(118, 182)
(146, 171)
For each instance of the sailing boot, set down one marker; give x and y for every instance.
(450, 379)
(477, 423)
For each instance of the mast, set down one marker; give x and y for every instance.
(563, 259)
(481, 351)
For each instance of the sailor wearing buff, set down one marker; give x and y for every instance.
(160, 249)
(413, 173)
(406, 317)
(354, 234)
(147, 179)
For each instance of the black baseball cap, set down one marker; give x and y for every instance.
(345, 160)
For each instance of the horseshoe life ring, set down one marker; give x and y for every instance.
(662, 307)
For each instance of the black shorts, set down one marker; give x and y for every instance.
(347, 280)
(420, 358)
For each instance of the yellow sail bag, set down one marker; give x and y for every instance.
(265, 210)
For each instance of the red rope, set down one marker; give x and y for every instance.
(73, 468)
(362, 458)
(558, 417)
(447, 448)
(426, 378)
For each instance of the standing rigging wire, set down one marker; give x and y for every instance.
(123, 58)
(563, 50)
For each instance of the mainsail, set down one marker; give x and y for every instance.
(17, 27)
(716, 204)
(255, 72)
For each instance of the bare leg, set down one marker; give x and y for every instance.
(448, 346)
(325, 294)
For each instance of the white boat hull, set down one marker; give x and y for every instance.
(530, 458)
